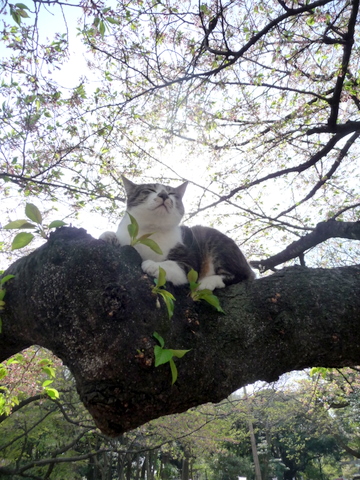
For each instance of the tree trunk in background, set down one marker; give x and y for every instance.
(128, 468)
(252, 440)
(138, 467)
(185, 468)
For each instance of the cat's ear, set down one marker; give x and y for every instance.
(180, 190)
(128, 185)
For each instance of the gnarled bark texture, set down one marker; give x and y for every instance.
(90, 303)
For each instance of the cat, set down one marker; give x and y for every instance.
(158, 209)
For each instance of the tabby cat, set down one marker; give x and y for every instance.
(158, 208)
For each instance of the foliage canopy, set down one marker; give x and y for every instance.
(255, 102)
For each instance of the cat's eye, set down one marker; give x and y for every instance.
(148, 190)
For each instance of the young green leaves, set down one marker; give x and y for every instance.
(49, 370)
(24, 238)
(133, 230)
(18, 11)
(195, 293)
(206, 295)
(165, 355)
(101, 22)
(159, 289)
(2, 294)
(33, 371)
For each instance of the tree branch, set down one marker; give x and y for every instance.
(90, 303)
(323, 231)
(349, 42)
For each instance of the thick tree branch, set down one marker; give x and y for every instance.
(323, 231)
(90, 303)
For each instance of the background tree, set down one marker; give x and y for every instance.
(293, 425)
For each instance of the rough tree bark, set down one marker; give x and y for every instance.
(90, 303)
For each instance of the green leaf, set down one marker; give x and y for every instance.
(174, 372)
(2, 303)
(132, 231)
(21, 240)
(323, 371)
(47, 382)
(12, 361)
(102, 28)
(311, 21)
(33, 213)
(113, 21)
(146, 235)
(151, 244)
(19, 358)
(162, 355)
(23, 14)
(49, 371)
(2, 294)
(179, 353)
(53, 393)
(16, 17)
(3, 371)
(214, 301)
(16, 224)
(57, 223)
(133, 228)
(169, 301)
(159, 338)
(44, 362)
(6, 279)
(161, 280)
(22, 6)
(193, 287)
(192, 276)
(208, 296)
(204, 292)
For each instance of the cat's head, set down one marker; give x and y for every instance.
(155, 204)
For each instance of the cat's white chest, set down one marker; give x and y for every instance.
(166, 239)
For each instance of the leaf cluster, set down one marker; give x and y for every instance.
(166, 355)
(18, 12)
(206, 295)
(24, 238)
(133, 230)
(23, 375)
(159, 289)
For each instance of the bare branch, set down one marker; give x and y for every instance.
(323, 231)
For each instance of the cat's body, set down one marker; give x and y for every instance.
(158, 209)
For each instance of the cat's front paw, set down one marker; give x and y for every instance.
(211, 282)
(174, 273)
(151, 268)
(110, 237)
